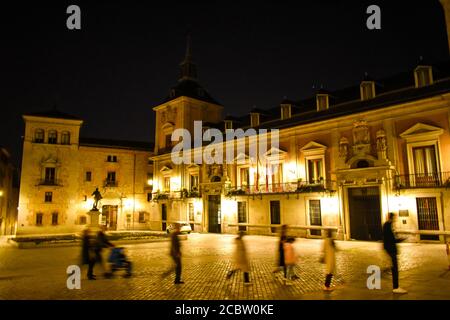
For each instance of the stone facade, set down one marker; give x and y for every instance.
(59, 177)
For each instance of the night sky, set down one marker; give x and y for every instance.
(126, 57)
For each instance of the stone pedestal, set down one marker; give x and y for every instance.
(94, 214)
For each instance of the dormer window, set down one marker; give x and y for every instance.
(254, 119)
(367, 89)
(228, 124)
(52, 137)
(423, 76)
(322, 101)
(285, 111)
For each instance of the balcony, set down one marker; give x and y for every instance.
(110, 184)
(49, 182)
(421, 180)
(290, 187)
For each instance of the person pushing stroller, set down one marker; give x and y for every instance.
(118, 260)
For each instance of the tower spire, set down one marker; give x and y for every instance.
(188, 68)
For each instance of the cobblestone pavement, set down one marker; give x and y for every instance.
(41, 273)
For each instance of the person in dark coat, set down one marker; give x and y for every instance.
(281, 262)
(88, 252)
(175, 254)
(102, 242)
(390, 246)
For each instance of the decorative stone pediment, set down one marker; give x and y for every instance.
(50, 161)
(421, 131)
(242, 158)
(313, 148)
(165, 169)
(275, 154)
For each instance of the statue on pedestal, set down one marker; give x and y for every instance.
(97, 198)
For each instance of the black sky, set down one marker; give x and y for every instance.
(125, 58)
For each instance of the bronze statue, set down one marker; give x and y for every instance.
(97, 198)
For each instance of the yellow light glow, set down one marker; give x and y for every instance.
(175, 183)
(1, 193)
(291, 172)
(88, 204)
(198, 206)
(150, 182)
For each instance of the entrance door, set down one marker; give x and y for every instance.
(110, 216)
(365, 213)
(214, 215)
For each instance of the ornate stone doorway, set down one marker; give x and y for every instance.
(365, 213)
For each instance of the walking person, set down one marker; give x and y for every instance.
(390, 245)
(290, 260)
(240, 261)
(101, 243)
(281, 262)
(88, 244)
(175, 253)
(329, 258)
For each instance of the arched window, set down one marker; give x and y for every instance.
(65, 137)
(39, 136)
(52, 137)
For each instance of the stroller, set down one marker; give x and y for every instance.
(118, 260)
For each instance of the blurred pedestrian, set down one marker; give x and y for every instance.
(390, 245)
(447, 247)
(329, 258)
(175, 253)
(280, 261)
(88, 245)
(290, 259)
(240, 261)
(101, 243)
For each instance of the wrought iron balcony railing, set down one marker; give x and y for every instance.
(290, 187)
(111, 184)
(49, 182)
(423, 180)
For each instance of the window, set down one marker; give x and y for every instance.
(194, 182)
(245, 177)
(315, 170)
(88, 176)
(65, 137)
(39, 217)
(367, 89)
(315, 216)
(423, 76)
(322, 102)
(39, 136)
(48, 196)
(425, 166)
(228, 124)
(52, 137)
(254, 119)
(111, 179)
(143, 217)
(428, 217)
(285, 111)
(167, 184)
(54, 218)
(82, 220)
(274, 214)
(242, 214)
(191, 212)
(149, 196)
(50, 176)
(275, 177)
(112, 158)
